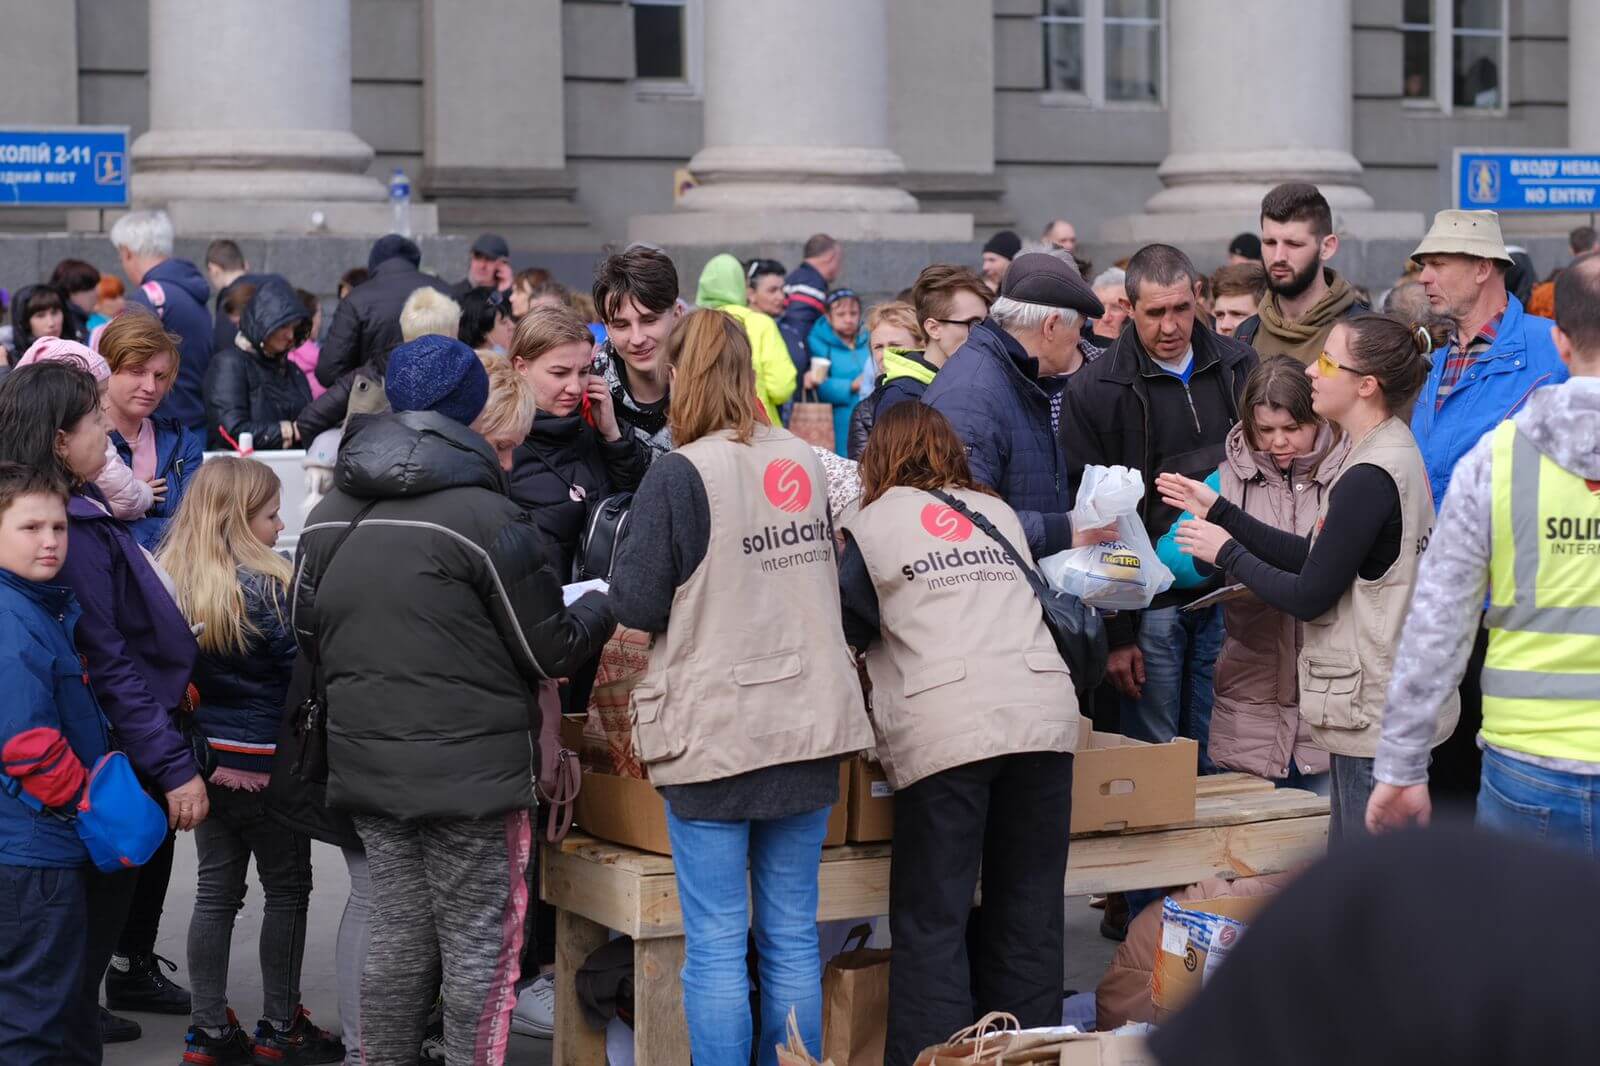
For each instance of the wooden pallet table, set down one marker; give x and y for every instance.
(1242, 826)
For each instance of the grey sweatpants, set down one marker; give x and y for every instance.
(451, 892)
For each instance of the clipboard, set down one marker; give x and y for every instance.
(1225, 594)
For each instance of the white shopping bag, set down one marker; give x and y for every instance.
(1121, 575)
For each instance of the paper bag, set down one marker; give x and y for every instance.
(995, 1040)
(813, 423)
(793, 1052)
(855, 1004)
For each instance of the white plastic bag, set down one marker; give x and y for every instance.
(1121, 575)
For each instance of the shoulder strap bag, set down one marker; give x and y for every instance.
(1079, 631)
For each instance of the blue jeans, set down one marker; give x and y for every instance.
(1180, 651)
(782, 857)
(1531, 801)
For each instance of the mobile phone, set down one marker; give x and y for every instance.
(601, 360)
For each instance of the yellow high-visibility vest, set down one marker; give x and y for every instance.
(1541, 680)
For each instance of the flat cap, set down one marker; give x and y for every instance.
(491, 246)
(1039, 278)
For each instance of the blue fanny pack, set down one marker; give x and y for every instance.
(115, 818)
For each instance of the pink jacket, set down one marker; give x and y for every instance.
(1255, 716)
(128, 497)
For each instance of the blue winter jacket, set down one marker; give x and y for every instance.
(242, 695)
(848, 363)
(179, 453)
(177, 292)
(47, 700)
(1522, 358)
(807, 290)
(989, 391)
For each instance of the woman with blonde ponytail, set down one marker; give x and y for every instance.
(233, 588)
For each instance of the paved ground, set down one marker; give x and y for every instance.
(1087, 955)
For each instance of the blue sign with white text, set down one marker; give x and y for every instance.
(1523, 179)
(69, 166)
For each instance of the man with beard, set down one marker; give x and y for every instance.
(1304, 298)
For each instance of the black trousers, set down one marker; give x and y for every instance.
(149, 898)
(1458, 763)
(109, 896)
(1009, 816)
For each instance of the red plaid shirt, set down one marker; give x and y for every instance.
(1458, 359)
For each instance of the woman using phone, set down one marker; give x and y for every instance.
(1350, 579)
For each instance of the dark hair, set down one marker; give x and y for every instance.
(1240, 279)
(74, 276)
(1299, 201)
(309, 301)
(353, 277)
(29, 302)
(224, 254)
(1245, 244)
(17, 479)
(237, 298)
(37, 402)
(1159, 264)
(756, 269)
(1578, 302)
(481, 309)
(1281, 382)
(1583, 239)
(817, 246)
(642, 273)
(914, 445)
(1395, 353)
(937, 285)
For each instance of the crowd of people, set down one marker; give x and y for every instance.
(1339, 492)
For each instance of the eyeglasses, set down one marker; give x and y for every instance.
(967, 322)
(1326, 366)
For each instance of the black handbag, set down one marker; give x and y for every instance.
(1079, 631)
(597, 550)
(310, 719)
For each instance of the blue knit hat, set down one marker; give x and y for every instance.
(437, 373)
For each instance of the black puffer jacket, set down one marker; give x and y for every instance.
(366, 327)
(248, 392)
(436, 620)
(563, 451)
(242, 694)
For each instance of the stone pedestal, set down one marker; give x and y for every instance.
(1250, 106)
(250, 121)
(822, 165)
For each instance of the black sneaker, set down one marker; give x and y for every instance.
(302, 1044)
(115, 1030)
(231, 1048)
(135, 982)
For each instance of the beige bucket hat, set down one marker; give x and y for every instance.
(1475, 233)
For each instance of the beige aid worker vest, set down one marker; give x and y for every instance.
(965, 668)
(1348, 653)
(753, 670)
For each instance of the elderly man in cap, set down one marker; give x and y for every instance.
(994, 390)
(489, 267)
(1162, 398)
(1496, 357)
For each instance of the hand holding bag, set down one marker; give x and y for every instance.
(1079, 632)
(812, 421)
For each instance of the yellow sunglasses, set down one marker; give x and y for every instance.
(1326, 366)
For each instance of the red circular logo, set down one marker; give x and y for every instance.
(787, 486)
(946, 522)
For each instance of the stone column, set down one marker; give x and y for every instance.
(796, 121)
(1250, 105)
(38, 63)
(1583, 77)
(494, 137)
(250, 121)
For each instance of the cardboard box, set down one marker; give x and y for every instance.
(1121, 783)
(871, 803)
(1106, 1049)
(1176, 979)
(629, 811)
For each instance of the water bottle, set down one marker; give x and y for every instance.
(400, 202)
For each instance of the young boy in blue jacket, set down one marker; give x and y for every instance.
(51, 732)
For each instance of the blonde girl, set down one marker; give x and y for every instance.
(233, 588)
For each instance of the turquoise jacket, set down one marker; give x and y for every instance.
(848, 363)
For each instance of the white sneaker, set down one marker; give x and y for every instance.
(535, 1013)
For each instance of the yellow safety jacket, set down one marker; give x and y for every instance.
(1541, 680)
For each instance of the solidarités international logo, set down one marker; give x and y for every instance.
(946, 523)
(788, 488)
